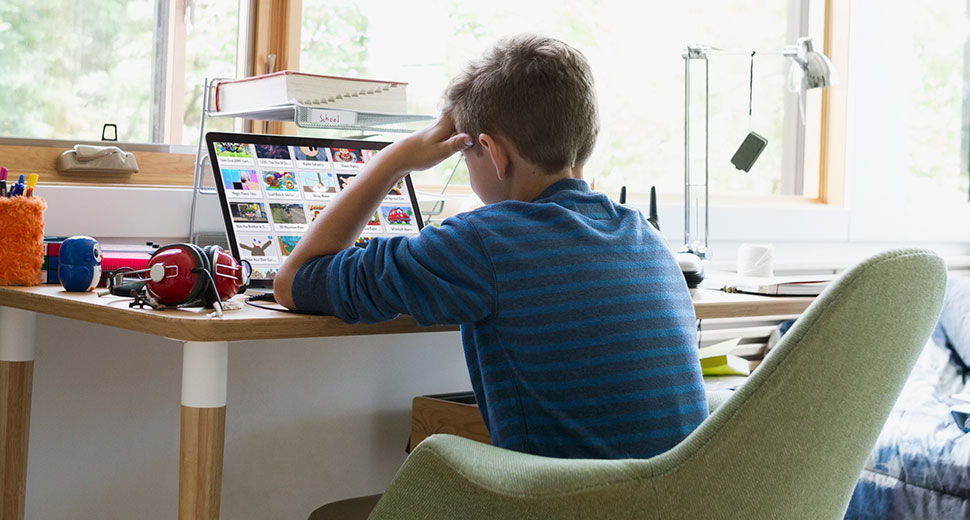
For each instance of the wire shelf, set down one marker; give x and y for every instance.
(316, 117)
(329, 118)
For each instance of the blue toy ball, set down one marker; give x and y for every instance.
(79, 265)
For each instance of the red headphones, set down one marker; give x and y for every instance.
(184, 274)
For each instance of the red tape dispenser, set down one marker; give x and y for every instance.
(184, 275)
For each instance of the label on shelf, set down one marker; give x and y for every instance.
(325, 116)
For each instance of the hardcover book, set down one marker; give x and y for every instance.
(287, 87)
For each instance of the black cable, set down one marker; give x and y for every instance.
(751, 85)
(266, 297)
(213, 286)
(267, 308)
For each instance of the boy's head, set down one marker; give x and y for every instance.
(535, 92)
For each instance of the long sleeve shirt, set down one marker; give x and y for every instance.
(577, 326)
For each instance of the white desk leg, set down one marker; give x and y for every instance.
(204, 378)
(16, 379)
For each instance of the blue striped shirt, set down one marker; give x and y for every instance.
(578, 329)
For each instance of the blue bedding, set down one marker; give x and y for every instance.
(920, 465)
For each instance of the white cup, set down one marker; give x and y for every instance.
(756, 260)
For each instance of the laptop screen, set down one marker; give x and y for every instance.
(271, 187)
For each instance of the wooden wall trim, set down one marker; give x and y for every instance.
(831, 188)
(155, 168)
(277, 33)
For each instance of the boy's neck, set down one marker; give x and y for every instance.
(529, 185)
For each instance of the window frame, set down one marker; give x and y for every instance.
(270, 28)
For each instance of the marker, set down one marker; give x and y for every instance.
(31, 184)
(3, 182)
(18, 189)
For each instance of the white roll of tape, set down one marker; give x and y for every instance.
(756, 260)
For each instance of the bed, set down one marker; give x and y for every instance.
(919, 467)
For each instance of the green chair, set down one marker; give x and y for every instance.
(789, 444)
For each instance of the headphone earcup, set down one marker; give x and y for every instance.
(228, 274)
(185, 284)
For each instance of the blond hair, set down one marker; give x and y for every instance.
(535, 91)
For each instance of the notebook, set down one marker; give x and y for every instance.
(272, 187)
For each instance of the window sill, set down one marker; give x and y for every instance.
(159, 165)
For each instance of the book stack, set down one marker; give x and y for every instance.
(288, 87)
(811, 285)
(718, 360)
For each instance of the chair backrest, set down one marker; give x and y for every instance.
(792, 441)
(789, 444)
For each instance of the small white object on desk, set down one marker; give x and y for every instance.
(756, 260)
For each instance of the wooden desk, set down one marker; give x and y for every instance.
(205, 357)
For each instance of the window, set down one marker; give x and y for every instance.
(67, 67)
(937, 120)
(635, 52)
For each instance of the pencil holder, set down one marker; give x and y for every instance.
(21, 240)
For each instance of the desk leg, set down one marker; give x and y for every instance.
(204, 379)
(16, 378)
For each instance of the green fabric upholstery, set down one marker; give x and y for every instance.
(788, 444)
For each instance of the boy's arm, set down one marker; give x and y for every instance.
(339, 225)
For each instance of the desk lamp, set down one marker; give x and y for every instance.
(811, 69)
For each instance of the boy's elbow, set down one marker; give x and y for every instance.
(283, 288)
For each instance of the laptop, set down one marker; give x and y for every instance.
(272, 187)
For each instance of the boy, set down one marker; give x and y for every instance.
(578, 329)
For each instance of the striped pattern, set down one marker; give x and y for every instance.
(578, 329)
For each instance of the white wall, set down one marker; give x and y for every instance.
(309, 421)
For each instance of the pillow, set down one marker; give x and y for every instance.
(955, 318)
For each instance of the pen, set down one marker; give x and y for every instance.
(30, 192)
(3, 182)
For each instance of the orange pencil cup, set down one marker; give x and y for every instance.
(21, 240)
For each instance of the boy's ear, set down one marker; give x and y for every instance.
(498, 151)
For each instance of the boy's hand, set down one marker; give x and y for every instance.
(428, 146)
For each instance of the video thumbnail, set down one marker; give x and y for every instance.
(346, 155)
(317, 182)
(287, 243)
(315, 210)
(257, 246)
(310, 153)
(398, 215)
(287, 213)
(279, 181)
(398, 189)
(235, 150)
(246, 180)
(254, 212)
(344, 180)
(272, 151)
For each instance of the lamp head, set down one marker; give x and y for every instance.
(813, 70)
